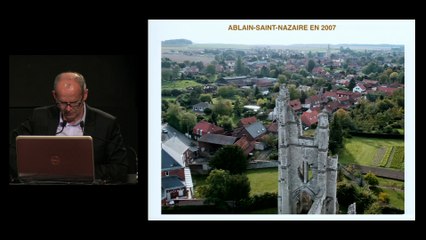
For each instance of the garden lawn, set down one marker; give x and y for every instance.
(363, 151)
(263, 180)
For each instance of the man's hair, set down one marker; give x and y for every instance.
(79, 78)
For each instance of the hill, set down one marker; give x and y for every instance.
(176, 42)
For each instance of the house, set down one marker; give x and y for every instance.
(203, 127)
(212, 142)
(313, 101)
(370, 83)
(246, 145)
(309, 118)
(200, 107)
(359, 88)
(387, 90)
(246, 121)
(176, 180)
(179, 150)
(330, 96)
(265, 82)
(253, 131)
(237, 81)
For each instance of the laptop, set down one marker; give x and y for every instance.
(55, 159)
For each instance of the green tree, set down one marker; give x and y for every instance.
(237, 107)
(166, 74)
(226, 91)
(211, 69)
(271, 141)
(200, 65)
(383, 198)
(214, 118)
(239, 67)
(184, 100)
(336, 138)
(393, 77)
(261, 102)
(372, 67)
(207, 111)
(303, 72)
(401, 77)
(264, 71)
(345, 120)
(294, 93)
(346, 193)
(238, 188)
(206, 98)
(222, 186)
(230, 158)
(225, 122)
(282, 78)
(311, 66)
(215, 189)
(256, 92)
(352, 84)
(175, 72)
(222, 107)
(187, 121)
(364, 199)
(172, 115)
(371, 179)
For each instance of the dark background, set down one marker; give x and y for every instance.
(111, 80)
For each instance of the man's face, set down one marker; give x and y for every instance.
(69, 98)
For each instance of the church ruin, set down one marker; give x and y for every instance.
(307, 175)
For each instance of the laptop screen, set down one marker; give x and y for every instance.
(55, 158)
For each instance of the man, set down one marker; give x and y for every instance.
(71, 116)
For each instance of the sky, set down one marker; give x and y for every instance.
(344, 32)
(400, 32)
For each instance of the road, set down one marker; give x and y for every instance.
(173, 132)
(383, 172)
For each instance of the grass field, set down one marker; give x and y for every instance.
(263, 180)
(179, 84)
(366, 151)
(396, 197)
(385, 182)
(180, 58)
(266, 180)
(169, 99)
(395, 189)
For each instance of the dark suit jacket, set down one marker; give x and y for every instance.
(110, 154)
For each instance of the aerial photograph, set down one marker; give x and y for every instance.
(281, 119)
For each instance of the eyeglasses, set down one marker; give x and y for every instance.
(76, 104)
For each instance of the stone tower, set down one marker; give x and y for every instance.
(307, 176)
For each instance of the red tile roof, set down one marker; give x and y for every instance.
(309, 118)
(388, 90)
(245, 144)
(204, 127)
(247, 121)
